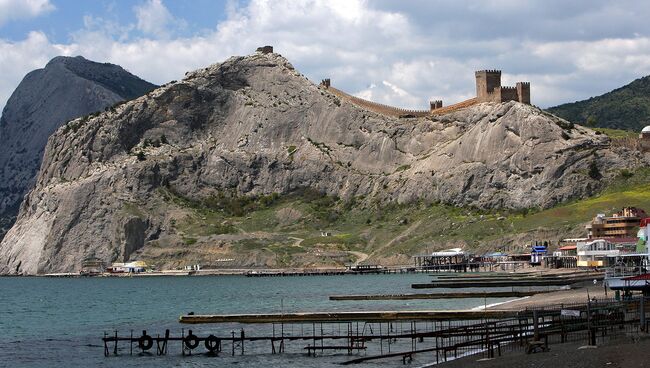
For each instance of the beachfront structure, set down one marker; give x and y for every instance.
(571, 241)
(630, 271)
(621, 224)
(565, 256)
(92, 266)
(454, 259)
(603, 252)
(537, 253)
(130, 267)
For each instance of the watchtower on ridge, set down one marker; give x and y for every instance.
(489, 88)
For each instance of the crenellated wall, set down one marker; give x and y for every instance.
(523, 92)
(373, 106)
(488, 89)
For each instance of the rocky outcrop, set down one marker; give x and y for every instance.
(67, 88)
(254, 125)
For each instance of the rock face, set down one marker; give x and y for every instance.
(254, 125)
(68, 87)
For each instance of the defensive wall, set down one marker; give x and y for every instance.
(373, 106)
(488, 89)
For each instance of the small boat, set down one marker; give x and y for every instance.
(630, 272)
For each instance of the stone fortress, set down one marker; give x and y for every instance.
(488, 89)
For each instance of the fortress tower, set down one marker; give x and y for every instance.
(489, 88)
(523, 92)
(486, 82)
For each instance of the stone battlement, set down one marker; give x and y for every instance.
(491, 71)
(488, 89)
(374, 106)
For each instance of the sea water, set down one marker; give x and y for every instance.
(59, 322)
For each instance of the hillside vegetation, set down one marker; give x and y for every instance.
(285, 231)
(626, 108)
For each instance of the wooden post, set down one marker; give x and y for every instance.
(105, 344)
(233, 342)
(642, 313)
(535, 325)
(242, 341)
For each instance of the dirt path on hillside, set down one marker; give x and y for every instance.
(399, 237)
(297, 242)
(360, 256)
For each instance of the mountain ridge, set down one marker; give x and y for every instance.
(626, 107)
(66, 88)
(253, 126)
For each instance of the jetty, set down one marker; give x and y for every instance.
(365, 316)
(511, 281)
(468, 295)
(443, 335)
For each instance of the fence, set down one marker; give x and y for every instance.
(439, 340)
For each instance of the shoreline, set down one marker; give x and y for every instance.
(581, 293)
(300, 271)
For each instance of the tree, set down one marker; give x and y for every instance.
(594, 172)
(591, 121)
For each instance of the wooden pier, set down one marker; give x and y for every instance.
(383, 335)
(490, 294)
(372, 316)
(487, 282)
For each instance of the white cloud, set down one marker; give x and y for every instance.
(407, 56)
(18, 59)
(154, 19)
(20, 9)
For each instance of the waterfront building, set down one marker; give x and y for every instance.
(621, 224)
(603, 251)
(129, 267)
(537, 253)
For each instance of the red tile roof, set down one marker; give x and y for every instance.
(568, 247)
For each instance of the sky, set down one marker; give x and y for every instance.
(402, 53)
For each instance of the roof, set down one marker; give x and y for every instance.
(495, 254)
(568, 247)
(643, 276)
(646, 129)
(627, 239)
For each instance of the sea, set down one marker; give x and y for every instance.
(60, 322)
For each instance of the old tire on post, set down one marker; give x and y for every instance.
(191, 341)
(145, 342)
(212, 343)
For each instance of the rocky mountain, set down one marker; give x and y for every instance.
(125, 182)
(627, 108)
(68, 87)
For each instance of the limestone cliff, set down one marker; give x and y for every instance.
(254, 125)
(68, 87)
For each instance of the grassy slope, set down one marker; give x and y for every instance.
(617, 133)
(288, 228)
